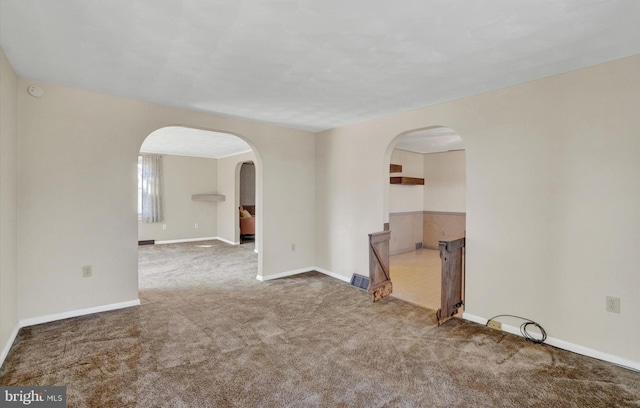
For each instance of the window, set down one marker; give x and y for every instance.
(149, 188)
(139, 187)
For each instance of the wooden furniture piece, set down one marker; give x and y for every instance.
(247, 226)
(379, 279)
(452, 256)
(395, 168)
(410, 181)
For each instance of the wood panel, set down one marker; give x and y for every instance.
(409, 181)
(452, 257)
(395, 168)
(379, 277)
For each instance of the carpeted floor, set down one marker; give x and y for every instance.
(208, 334)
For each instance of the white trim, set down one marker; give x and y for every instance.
(10, 340)
(75, 313)
(332, 274)
(302, 270)
(283, 274)
(255, 250)
(179, 241)
(226, 241)
(565, 345)
(474, 318)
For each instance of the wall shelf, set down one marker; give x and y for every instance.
(395, 168)
(207, 197)
(409, 181)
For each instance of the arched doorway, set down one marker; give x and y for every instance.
(425, 203)
(200, 187)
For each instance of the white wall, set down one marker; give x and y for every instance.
(229, 185)
(8, 209)
(445, 182)
(183, 176)
(404, 198)
(77, 194)
(552, 200)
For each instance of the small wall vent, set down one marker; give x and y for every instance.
(360, 281)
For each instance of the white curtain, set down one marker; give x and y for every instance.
(151, 182)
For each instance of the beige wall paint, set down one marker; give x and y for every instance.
(183, 176)
(229, 185)
(444, 182)
(8, 201)
(403, 198)
(77, 194)
(552, 200)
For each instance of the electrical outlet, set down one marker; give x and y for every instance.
(293, 247)
(164, 226)
(613, 304)
(196, 225)
(495, 325)
(86, 271)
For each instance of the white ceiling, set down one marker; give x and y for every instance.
(310, 64)
(182, 141)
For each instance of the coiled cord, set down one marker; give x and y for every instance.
(523, 328)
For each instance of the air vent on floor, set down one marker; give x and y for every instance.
(360, 281)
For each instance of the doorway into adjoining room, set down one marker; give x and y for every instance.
(426, 204)
(189, 197)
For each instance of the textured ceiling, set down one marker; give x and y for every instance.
(310, 64)
(182, 141)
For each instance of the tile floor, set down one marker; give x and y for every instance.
(416, 277)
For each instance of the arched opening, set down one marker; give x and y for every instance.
(425, 202)
(198, 177)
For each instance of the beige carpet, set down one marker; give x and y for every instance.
(208, 334)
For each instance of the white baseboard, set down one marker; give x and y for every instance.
(180, 241)
(75, 313)
(226, 241)
(59, 316)
(9, 343)
(565, 345)
(283, 274)
(302, 270)
(332, 274)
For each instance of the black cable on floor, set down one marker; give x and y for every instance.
(523, 328)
